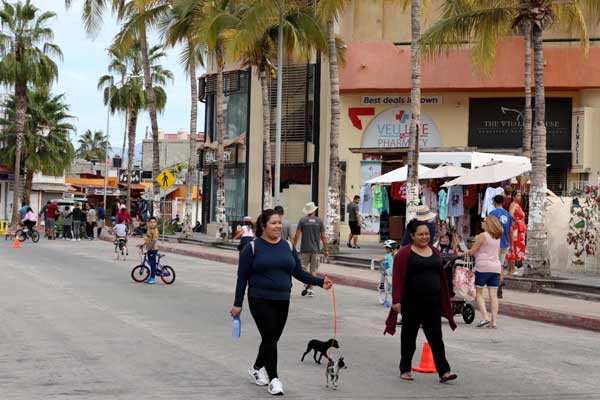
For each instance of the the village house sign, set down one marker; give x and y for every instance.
(391, 128)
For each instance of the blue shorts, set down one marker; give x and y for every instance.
(489, 279)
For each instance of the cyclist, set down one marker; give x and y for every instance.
(30, 220)
(151, 246)
(120, 231)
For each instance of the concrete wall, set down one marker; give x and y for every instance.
(171, 152)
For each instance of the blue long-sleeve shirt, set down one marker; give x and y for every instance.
(268, 272)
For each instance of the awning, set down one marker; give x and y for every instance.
(397, 175)
(496, 172)
(50, 187)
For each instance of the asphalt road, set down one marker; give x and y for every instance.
(74, 325)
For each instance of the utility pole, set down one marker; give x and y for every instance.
(279, 106)
(107, 139)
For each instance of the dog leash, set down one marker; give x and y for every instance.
(333, 298)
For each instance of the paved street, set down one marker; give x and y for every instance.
(74, 325)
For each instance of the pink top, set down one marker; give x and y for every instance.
(30, 216)
(487, 258)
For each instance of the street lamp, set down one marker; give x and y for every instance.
(107, 137)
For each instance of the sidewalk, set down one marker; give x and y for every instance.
(558, 310)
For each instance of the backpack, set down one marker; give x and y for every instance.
(251, 244)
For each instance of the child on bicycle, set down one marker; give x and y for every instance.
(120, 231)
(387, 264)
(151, 246)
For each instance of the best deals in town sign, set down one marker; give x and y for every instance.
(391, 128)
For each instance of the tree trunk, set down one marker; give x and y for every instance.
(151, 100)
(412, 189)
(527, 114)
(20, 119)
(193, 159)
(28, 186)
(131, 127)
(537, 246)
(267, 162)
(332, 227)
(220, 127)
(125, 135)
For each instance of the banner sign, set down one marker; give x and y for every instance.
(496, 123)
(398, 100)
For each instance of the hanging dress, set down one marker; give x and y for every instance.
(519, 231)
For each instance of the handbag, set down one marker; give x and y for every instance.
(464, 280)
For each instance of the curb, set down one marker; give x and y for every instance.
(515, 310)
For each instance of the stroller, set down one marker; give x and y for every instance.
(459, 305)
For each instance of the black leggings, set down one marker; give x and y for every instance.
(429, 316)
(270, 317)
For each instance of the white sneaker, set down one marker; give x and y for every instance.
(72, 240)
(259, 376)
(78, 239)
(310, 293)
(275, 387)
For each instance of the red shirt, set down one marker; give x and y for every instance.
(123, 215)
(507, 201)
(51, 210)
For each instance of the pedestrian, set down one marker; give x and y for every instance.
(246, 233)
(42, 215)
(423, 214)
(486, 250)
(114, 211)
(507, 197)
(124, 216)
(354, 222)
(76, 223)
(516, 252)
(91, 222)
(420, 294)
(101, 215)
(311, 229)
(267, 267)
(286, 227)
(506, 221)
(151, 246)
(387, 266)
(51, 214)
(83, 225)
(30, 219)
(67, 223)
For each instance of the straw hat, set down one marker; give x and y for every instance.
(309, 208)
(424, 213)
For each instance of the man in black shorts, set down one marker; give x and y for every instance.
(354, 222)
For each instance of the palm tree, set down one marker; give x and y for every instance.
(26, 53)
(484, 22)
(179, 28)
(47, 147)
(93, 145)
(254, 43)
(129, 95)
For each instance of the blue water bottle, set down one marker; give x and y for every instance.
(237, 328)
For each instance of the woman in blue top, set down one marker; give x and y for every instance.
(266, 267)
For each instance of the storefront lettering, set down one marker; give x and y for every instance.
(391, 128)
(399, 100)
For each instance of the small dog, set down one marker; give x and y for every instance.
(320, 347)
(333, 371)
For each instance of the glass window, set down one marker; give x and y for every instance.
(234, 194)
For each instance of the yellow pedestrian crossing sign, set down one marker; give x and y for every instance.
(165, 179)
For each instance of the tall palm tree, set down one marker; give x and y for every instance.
(179, 28)
(484, 22)
(26, 52)
(93, 145)
(129, 95)
(47, 147)
(254, 43)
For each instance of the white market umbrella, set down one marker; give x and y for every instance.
(397, 175)
(492, 173)
(444, 171)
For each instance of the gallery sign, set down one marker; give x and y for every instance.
(391, 128)
(398, 100)
(496, 123)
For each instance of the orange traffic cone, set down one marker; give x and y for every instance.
(427, 365)
(16, 243)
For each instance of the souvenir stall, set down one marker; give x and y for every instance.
(460, 203)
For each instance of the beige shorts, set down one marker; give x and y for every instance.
(310, 261)
(503, 256)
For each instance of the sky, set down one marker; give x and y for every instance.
(85, 61)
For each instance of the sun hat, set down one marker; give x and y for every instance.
(309, 208)
(424, 213)
(247, 219)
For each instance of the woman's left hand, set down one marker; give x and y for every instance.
(328, 283)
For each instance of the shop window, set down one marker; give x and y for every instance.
(234, 198)
(557, 181)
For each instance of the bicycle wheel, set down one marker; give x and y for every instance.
(35, 237)
(140, 273)
(167, 274)
(21, 235)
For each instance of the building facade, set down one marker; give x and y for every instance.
(462, 109)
